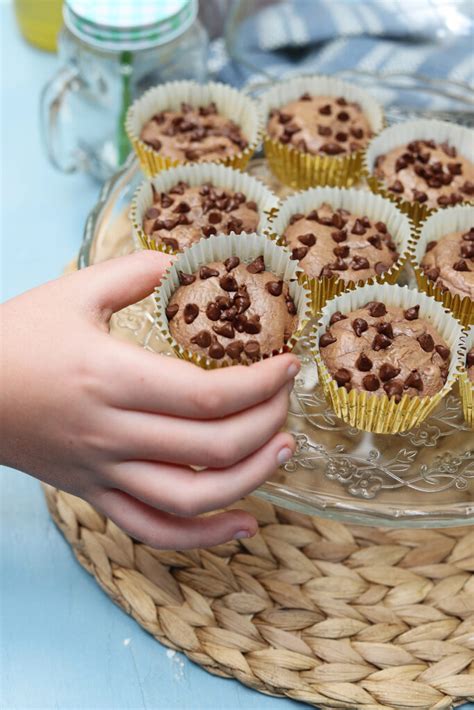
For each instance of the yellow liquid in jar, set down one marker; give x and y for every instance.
(40, 21)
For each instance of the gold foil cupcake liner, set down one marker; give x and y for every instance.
(442, 222)
(301, 170)
(230, 103)
(402, 133)
(358, 202)
(381, 414)
(466, 387)
(218, 248)
(219, 175)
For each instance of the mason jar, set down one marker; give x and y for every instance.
(110, 53)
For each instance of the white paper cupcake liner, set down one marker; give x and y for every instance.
(299, 169)
(378, 413)
(198, 174)
(466, 387)
(402, 133)
(357, 202)
(452, 219)
(218, 248)
(229, 101)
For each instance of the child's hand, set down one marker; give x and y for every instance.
(120, 426)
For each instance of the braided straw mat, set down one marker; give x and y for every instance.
(331, 615)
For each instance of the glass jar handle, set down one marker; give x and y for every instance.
(51, 104)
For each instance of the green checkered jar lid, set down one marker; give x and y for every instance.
(119, 25)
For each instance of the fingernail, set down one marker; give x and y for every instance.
(240, 534)
(284, 455)
(293, 369)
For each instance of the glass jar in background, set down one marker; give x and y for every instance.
(40, 22)
(110, 53)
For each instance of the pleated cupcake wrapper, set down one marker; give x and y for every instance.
(299, 169)
(466, 387)
(360, 203)
(219, 175)
(218, 248)
(401, 134)
(452, 219)
(371, 412)
(230, 103)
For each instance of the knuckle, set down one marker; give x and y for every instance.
(208, 401)
(188, 505)
(224, 453)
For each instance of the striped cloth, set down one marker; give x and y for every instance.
(432, 38)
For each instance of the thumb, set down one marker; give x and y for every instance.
(117, 283)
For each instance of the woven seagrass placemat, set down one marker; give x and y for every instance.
(332, 615)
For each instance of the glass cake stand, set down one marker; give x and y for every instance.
(421, 478)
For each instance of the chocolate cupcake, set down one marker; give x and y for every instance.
(466, 379)
(342, 238)
(386, 355)
(316, 130)
(423, 166)
(232, 300)
(183, 121)
(443, 259)
(184, 204)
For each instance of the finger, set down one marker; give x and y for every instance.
(154, 383)
(153, 437)
(170, 532)
(183, 491)
(110, 286)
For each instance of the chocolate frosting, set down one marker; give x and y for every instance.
(194, 133)
(398, 351)
(184, 214)
(238, 306)
(427, 172)
(351, 247)
(321, 125)
(449, 263)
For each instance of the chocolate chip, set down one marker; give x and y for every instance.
(432, 274)
(343, 116)
(341, 136)
(291, 129)
(397, 186)
(381, 227)
(235, 225)
(326, 339)
(394, 388)
(461, 265)
(191, 154)
(226, 330)
(386, 329)
(400, 164)
(359, 326)
(359, 262)
(215, 217)
(242, 299)
(205, 272)
(371, 383)
(364, 363)
(152, 213)
(216, 351)
(234, 349)
(295, 218)
(469, 236)
(357, 133)
(256, 266)
(308, 240)
(252, 206)
(209, 231)
(290, 306)
(191, 312)
(179, 188)
(469, 357)
(380, 268)
(202, 339)
(284, 117)
(325, 110)
(186, 279)
(419, 196)
(341, 251)
(430, 246)
(183, 219)
(414, 380)
(275, 287)
(171, 310)
(324, 131)
(171, 243)
(182, 208)
(336, 317)
(339, 236)
(228, 283)
(213, 312)
(448, 149)
(252, 349)
(299, 253)
(467, 187)
(411, 313)
(381, 342)
(166, 200)
(375, 240)
(332, 148)
(231, 315)
(358, 228)
(443, 351)
(154, 143)
(341, 101)
(388, 371)
(252, 325)
(338, 265)
(313, 216)
(342, 376)
(467, 250)
(305, 97)
(376, 309)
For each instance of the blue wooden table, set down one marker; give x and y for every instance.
(63, 642)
